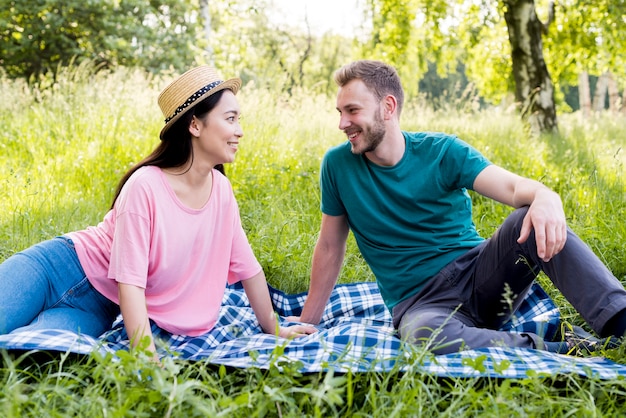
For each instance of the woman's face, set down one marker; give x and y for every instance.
(215, 137)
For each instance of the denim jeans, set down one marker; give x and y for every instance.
(45, 287)
(464, 301)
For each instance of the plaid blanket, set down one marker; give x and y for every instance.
(355, 334)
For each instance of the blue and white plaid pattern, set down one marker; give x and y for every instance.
(355, 334)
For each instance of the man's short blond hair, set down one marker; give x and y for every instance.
(380, 78)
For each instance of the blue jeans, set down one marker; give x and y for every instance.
(45, 287)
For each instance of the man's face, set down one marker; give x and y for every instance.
(360, 117)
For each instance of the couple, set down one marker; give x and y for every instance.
(403, 195)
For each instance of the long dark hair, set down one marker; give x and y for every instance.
(175, 149)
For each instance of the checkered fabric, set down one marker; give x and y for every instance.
(355, 334)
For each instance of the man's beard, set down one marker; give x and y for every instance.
(372, 137)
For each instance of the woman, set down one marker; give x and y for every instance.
(167, 248)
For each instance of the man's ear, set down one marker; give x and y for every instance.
(390, 106)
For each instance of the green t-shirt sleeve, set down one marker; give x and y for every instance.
(331, 203)
(461, 165)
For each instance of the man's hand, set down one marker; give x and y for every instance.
(545, 215)
(545, 209)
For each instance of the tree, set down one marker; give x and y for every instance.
(280, 57)
(587, 41)
(39, 35)
(506, 48)
(205, 14)
(407, 34)
(584, 95)
(533, 86)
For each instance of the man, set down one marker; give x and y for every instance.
(404, 196)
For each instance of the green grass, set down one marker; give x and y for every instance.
(65, 146)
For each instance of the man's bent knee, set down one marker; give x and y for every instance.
(433, 329)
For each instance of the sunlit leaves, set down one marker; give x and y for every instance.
(585, 35)
(40, 35)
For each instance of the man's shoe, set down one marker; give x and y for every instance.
(582, 343)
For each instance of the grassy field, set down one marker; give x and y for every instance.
(64, 147)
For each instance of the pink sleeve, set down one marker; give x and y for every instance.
(131, 242)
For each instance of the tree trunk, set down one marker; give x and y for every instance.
(206, 18)
(599, 96)
(533, 87)
(584, 94)
(613, 93)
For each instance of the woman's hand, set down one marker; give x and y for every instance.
(259, 297)
(296, 331)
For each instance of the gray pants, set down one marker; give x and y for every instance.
(464, 305)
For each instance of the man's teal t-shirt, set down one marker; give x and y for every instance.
(409, 220)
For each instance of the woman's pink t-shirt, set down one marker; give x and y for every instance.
(182, 257)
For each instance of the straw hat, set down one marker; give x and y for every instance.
(190, 88)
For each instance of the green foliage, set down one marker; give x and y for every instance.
(40, 384)
(65, 147)
(410, 34)
(585, 35)
(40, 36)
(82, 135)
(452, 89)
(279, 57)
(392, 22)
(36, 37)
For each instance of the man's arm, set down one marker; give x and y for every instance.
(545, 214)
(328, 257)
